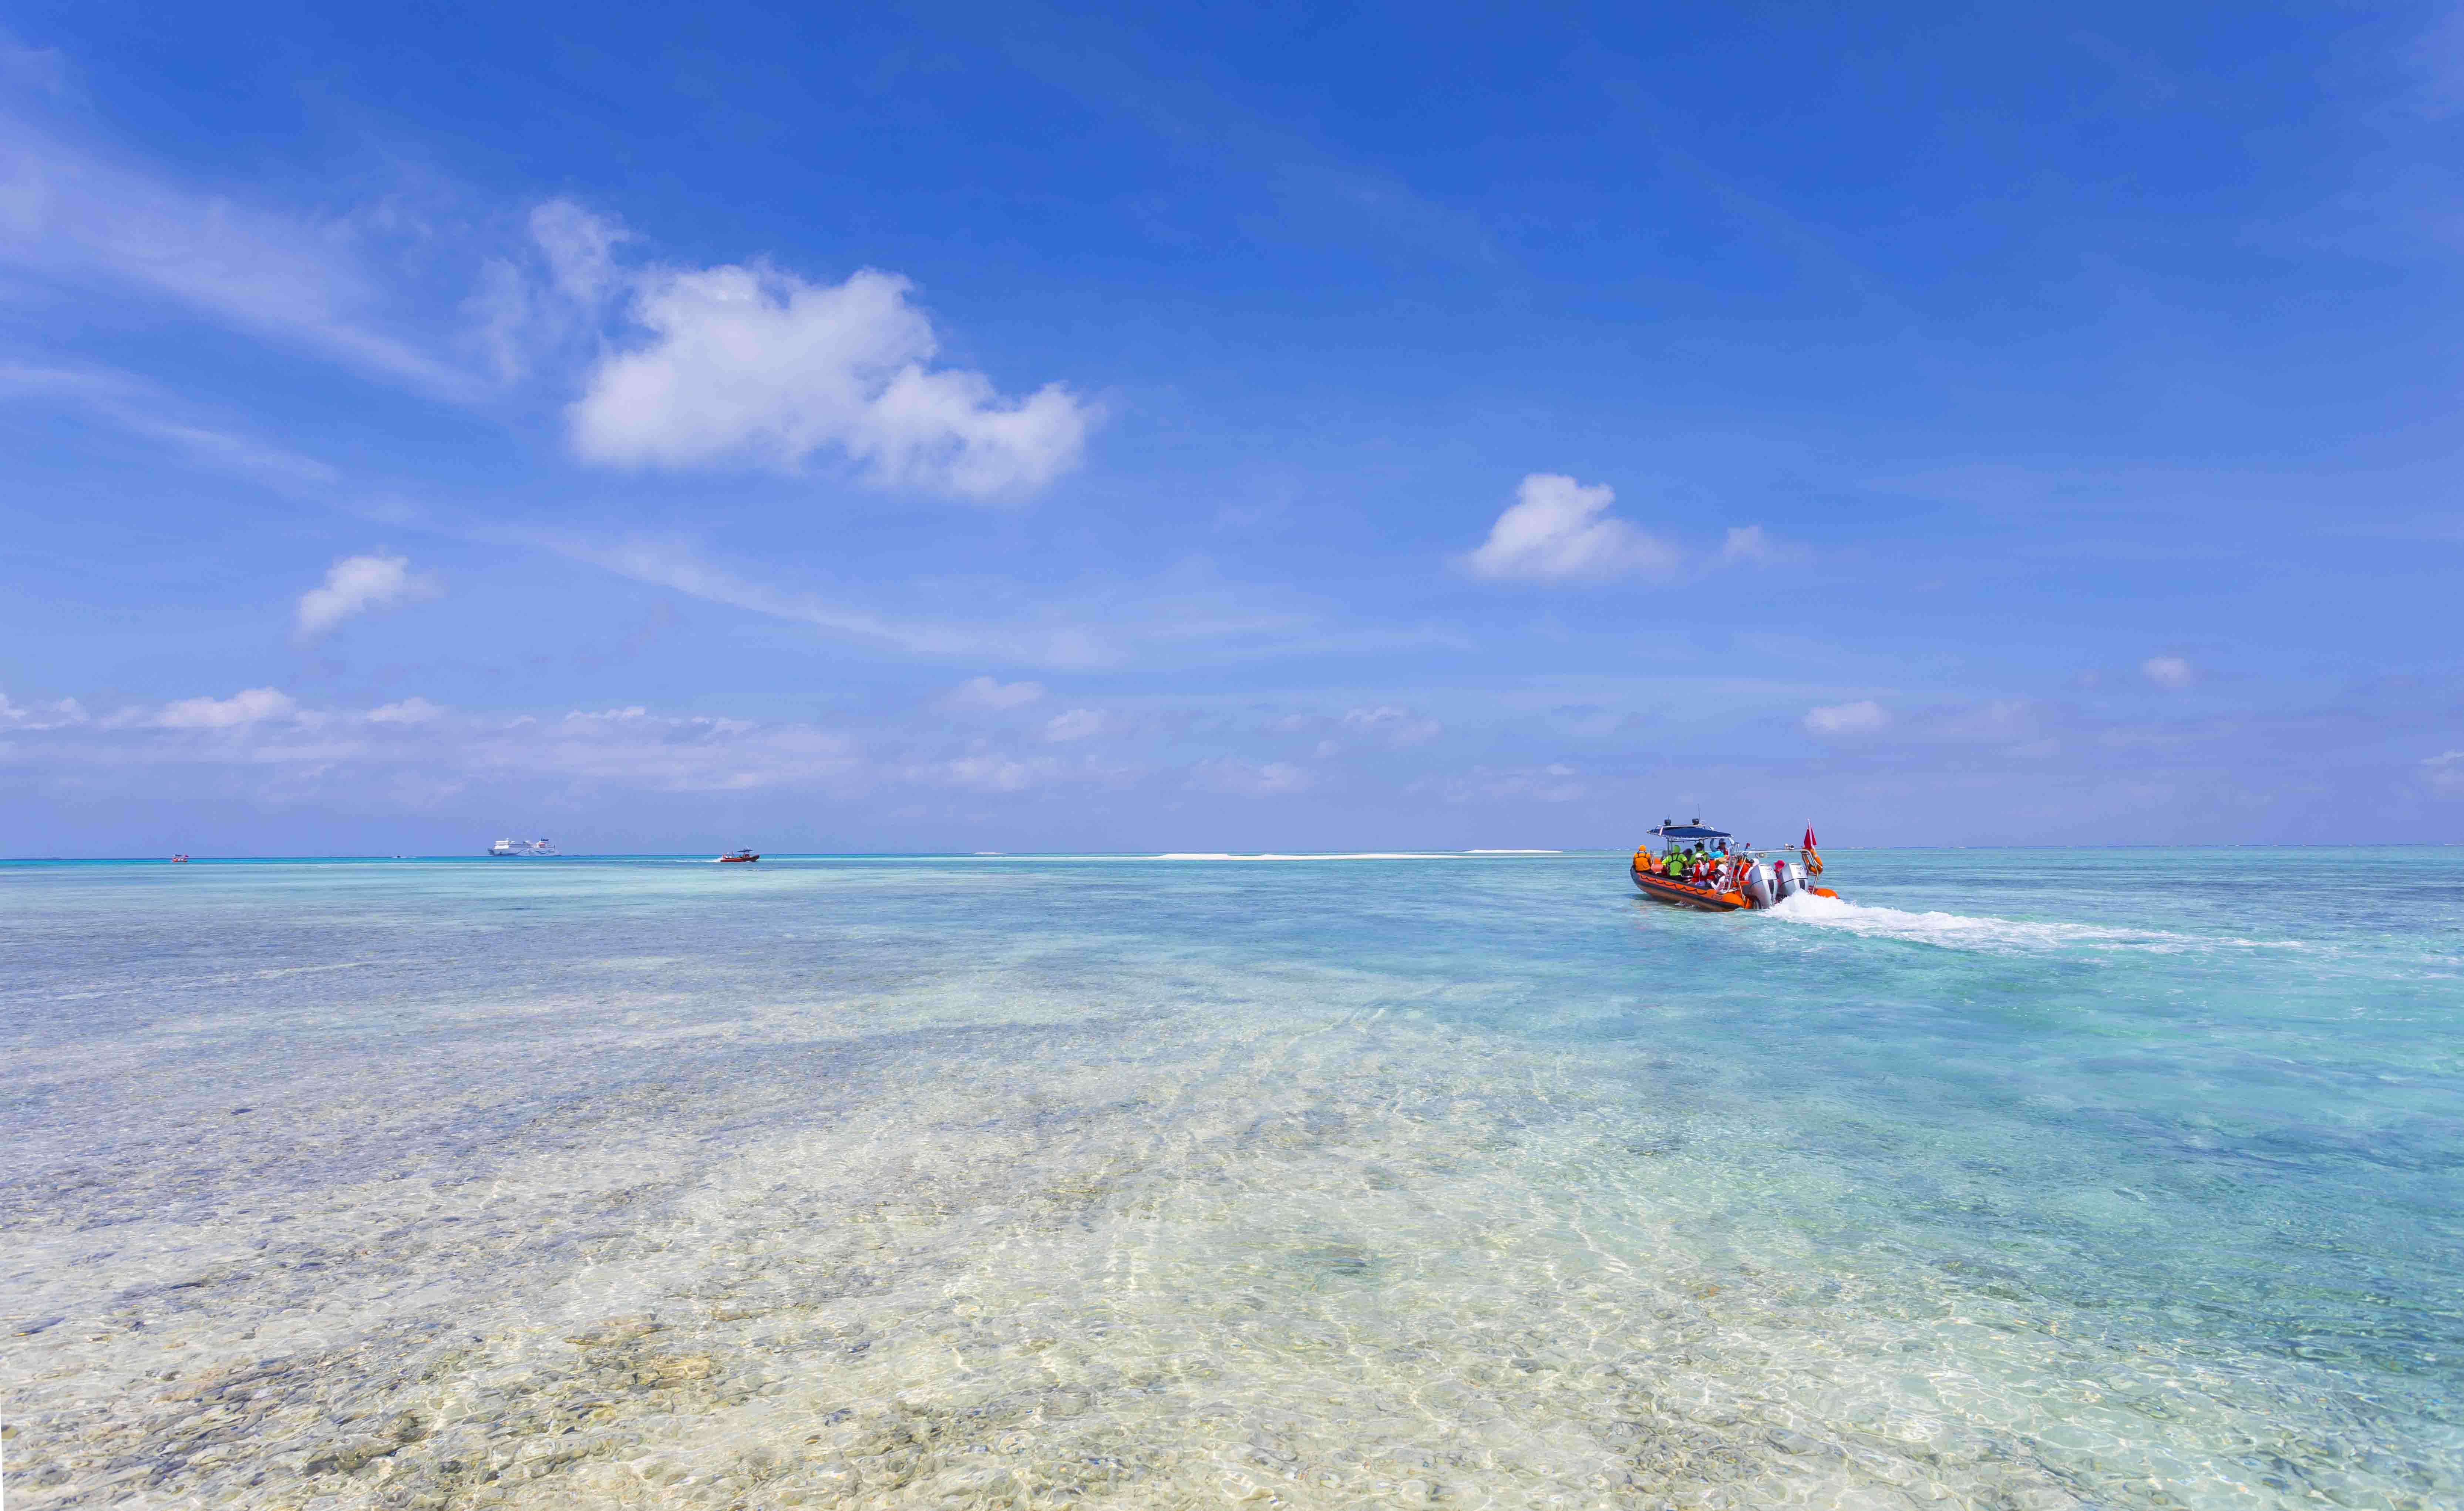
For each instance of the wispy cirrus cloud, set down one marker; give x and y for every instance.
(1186, 612)
(74, 214)
(143, 409)
(978, 694)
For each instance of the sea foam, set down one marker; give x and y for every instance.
(1961, 932)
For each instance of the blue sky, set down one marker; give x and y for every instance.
(989, 427)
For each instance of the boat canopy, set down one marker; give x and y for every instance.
(1688, 831)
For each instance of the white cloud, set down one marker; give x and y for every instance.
(353, 584)
(538, 300)
(987, 771)
(580, 250)
(410, 710)
(253, 706)
(1555, 783)
(2169, 671)
(1104, 623)
(1392, 723)
(1078, 724)
(142, 410)
(1866, 717)
(2445, 773)
(1752, 546)
(750, 364)
(1249, 780)
(985, 694)
(1559, 531)
(74, 214)
(66, 713)
(419, 747)
(993, 772)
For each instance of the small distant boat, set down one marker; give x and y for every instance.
(739, 855)
(1738, 878)
(180, 860)
(520, 848)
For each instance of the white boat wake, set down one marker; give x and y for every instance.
(1958, 932)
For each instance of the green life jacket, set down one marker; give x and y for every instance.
(1675, 865)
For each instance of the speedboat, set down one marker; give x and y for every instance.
(739, 855)
(1740, 877)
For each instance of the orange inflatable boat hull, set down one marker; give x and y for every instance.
(1686, 894)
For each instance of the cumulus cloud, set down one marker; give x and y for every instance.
(749, 364)
(1866, 717)
(1078, 724)
(1249, 779)
(983, 693)
(993, 772)
(987, 771)
(1559, 531)
(252, 706)
(1752, 546)
(417, 747)
(353, 584)
(66, 713)
(2169, 671)
(410, 710)
(1391, 723)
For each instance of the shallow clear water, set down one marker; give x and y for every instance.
(2021, 1179)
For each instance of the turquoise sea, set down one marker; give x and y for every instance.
(2020, 1179)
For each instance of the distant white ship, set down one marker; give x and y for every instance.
(521, 847)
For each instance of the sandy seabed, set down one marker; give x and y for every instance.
(973, 1246)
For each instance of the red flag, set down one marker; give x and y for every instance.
(1809, 837)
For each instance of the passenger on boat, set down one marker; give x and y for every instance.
(1674, 866)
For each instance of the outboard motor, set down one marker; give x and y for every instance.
(1785, 881)
(1758, 886)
